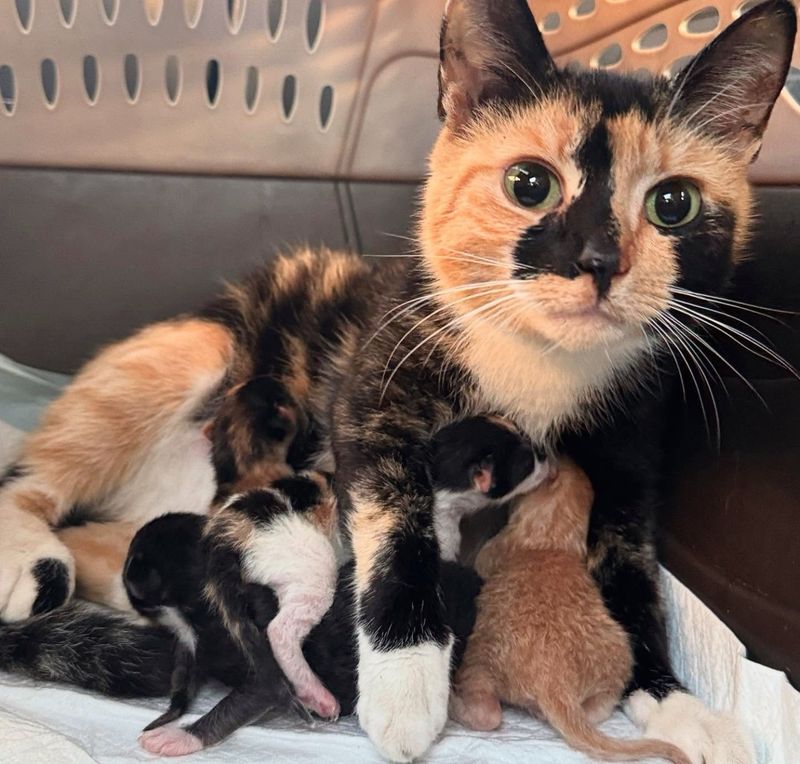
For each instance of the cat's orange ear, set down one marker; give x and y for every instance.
(728, 90)
(489, 51)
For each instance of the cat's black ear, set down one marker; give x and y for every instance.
(730, 87)
(489, 50)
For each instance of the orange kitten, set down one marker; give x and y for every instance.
(543, 639)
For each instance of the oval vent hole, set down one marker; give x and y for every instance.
(677, 65)
(8, 90)
(91, 78)
(192, 9)
(747, 5)
(325, 106)
(314, 24)
(275, 10)
(110, 10)
(213, 81)
(172, 78)
(24, 13)
(609, 57)
(252, 86)
(653, 39)
(67, 9)
(49, 75)
(153, 10)
(793, 85)
(703, 22)
(551, 23)
(235, 14)
(130, 71)
(289, 96)
(582, 9)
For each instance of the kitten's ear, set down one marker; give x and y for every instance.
(489, 49)
(730, 87)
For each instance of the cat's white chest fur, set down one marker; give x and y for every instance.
(540, 388)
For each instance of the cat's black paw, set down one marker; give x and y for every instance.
(53, 585)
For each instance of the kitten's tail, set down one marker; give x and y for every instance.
(92, 647)
(571, 721)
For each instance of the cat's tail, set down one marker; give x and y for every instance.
(571, 721)
(92, 647)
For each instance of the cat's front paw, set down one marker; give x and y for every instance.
(705, 736)
(37, 572)
(402, 696)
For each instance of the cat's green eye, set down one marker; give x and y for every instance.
(672, 203)
(532, 185)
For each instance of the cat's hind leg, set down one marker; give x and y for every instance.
(93, 448)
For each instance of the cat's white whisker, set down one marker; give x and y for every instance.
(756, 347)
(470, 314)
(443, 308)
(761, 310)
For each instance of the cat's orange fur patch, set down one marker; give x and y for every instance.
(370, 527)
(91, 437)
(99, 551)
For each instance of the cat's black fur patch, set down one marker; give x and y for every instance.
(261, 506)
(402, 604)
(12, 472)
(52, 580)
(303, 493)
(704, 247)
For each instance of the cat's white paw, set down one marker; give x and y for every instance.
(705, 736)
(37, 572)
(402, 697)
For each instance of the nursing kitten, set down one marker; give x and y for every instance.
(476, 463)
(543, 639)
(172, 565)
(564, 214)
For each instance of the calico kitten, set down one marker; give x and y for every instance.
(477, 463)
(543, 639)
(281, 537)
(552, 265)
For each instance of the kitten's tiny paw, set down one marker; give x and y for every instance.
(321, 702)
(170, 741)
(706, 736)
(476, 710)
(403, 694)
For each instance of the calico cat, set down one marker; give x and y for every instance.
(565, 217)
(543, 639)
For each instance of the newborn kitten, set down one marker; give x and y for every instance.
(543, 639)
(478, 462)
(329, 649)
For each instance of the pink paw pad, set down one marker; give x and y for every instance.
(170, 741)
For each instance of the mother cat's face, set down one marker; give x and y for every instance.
(576, 203)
